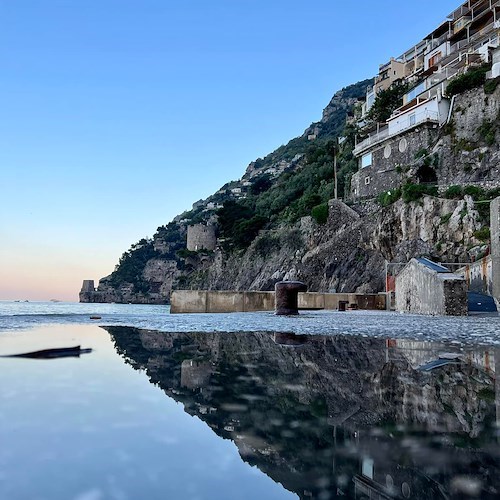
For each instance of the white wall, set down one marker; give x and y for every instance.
(444, 48)
(428, 109)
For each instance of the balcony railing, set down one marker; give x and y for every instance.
(414, 119)
(372, 139)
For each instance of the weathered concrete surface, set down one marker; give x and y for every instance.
(311, 300)
(196, 301)
(495, 246)
(203, 301)
(421, 290)
(287, 297)
(258, 301)
(219, 302)
(189, 301)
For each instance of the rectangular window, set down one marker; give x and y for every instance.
(367, 467)
(412, 119)
(434, 59)
(416, 91)
(366, 160)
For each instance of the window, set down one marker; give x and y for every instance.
(412, 119)
(367, 181)
(434, 59)
(415, 91)
(366, 160)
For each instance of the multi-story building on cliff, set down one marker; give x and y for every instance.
(466, 38)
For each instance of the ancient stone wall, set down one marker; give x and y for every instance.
(201, 237)
(391, 162)
(464, 152)
(88, 288)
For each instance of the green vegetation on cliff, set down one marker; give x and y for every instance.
(131, 266)
(270, 201)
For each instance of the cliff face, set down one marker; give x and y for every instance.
(348, 253)
(264, 233)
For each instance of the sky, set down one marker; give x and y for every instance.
(117, 115)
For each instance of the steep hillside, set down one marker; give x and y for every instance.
(277, 222)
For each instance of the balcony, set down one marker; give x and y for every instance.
(414, 119)
(373, 139)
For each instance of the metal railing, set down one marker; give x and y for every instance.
(413, 120)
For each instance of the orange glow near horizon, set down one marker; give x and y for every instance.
(49, 275)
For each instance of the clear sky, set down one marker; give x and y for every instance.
(117, 115)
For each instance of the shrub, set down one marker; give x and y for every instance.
(483, 234)
(320, 213)
(421, 153)
(445, 218)
(477, 193)
(487, 132)
(414, 192)
(266, 244)
(453, 192)
(474, 77)
(491, 85)
(389, 197)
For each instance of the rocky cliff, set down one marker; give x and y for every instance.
(279, 221)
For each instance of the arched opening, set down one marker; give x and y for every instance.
(426, 175)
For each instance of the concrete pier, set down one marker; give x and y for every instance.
(203, 301)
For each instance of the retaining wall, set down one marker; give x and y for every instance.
(201, 301)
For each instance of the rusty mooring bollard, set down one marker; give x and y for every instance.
(287, 297)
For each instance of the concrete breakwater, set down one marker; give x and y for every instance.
(209, 301)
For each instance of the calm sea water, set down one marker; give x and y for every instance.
(467, 330)
(245, 406)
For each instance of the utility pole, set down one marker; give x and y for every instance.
(335, 193)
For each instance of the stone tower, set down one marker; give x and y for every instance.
(87, 291)
(201, 237)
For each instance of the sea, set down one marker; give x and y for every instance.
(325, 405)
(467, 330)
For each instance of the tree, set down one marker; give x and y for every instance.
(387, 101)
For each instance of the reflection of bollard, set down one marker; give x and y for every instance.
(287, 297)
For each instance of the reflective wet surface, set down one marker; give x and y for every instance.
(276, 415)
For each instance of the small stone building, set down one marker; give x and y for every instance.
(201, 237)
(424, 287)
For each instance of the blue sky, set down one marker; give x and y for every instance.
(116, 115)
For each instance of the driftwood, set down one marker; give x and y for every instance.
(61, 352)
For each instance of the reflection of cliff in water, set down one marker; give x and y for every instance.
(333, 416)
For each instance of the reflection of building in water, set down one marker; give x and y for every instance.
(383, 478)
(419, 353)
(195, 374)
(339, 415)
